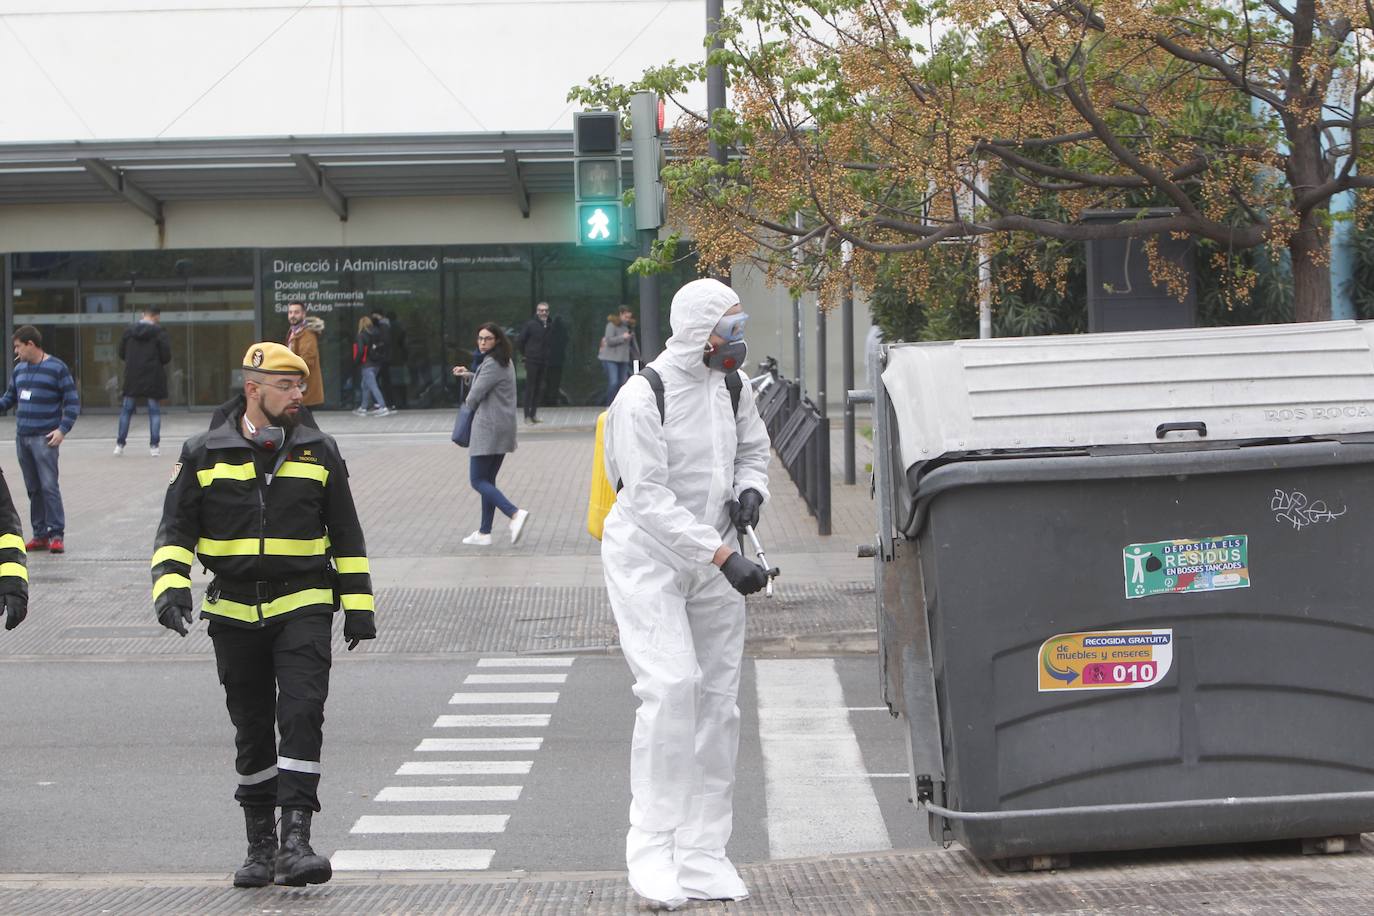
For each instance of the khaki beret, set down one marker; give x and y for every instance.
(275, 359)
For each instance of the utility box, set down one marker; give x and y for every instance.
(1122, 585)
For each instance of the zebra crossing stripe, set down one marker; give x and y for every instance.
(516, 679)
(431, 823)
(529, 720)
(448, 793)
(412, 859)
(804, 729)
(480, 744)
(481, 699)
(525, 662)
(466, 768)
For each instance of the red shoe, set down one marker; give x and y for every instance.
(36, 544)
(55, 545)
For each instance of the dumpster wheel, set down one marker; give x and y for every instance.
(1035, 863)
(1330, 845)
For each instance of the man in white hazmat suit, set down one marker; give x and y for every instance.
(677, 586)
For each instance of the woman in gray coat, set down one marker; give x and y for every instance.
(492, 401)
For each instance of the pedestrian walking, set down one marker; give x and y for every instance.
(368, 355)
(264, 504)
(535, 343)
(627, 321)
(693, 466)
(492, 400)
(615, 354)
(303, 339)
(45, 394)
(146, 350)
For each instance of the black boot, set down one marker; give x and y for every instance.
(297, 864)
(261, 824)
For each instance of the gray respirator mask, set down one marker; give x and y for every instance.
(267, 438)
(729, 356)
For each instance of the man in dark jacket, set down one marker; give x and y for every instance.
(146, 350)
(535, 343)
(264, 503)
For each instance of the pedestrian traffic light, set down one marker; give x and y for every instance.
(646, 130)
(596, 177)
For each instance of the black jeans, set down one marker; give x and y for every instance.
(276, 678)
(535, 374)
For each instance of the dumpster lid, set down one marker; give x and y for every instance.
(1267, 382)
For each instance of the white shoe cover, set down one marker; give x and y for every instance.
(708, 876)
(653, 874)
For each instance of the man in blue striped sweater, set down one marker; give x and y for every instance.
(45, 393)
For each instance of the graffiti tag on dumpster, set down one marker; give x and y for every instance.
(1186, 565)
(1105, 660)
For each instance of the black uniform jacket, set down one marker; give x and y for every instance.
(14, 572)
(280, 546)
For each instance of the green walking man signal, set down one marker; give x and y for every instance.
(596, 177)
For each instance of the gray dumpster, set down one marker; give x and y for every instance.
(1125, 585)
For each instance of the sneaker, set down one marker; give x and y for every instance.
(380, 412)
(155, 451)
(55, 545)
(478, 539)
(36, 544)
(517, 524)
(119, 450)
(359, 412)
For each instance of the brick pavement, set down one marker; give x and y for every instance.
(411, 487)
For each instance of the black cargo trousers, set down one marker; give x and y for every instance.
(276, 678)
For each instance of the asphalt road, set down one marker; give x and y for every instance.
(125, 765)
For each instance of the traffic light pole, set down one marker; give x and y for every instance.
(650, 337)
(715, 88)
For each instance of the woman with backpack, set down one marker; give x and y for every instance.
(366, 353)
(491, 398)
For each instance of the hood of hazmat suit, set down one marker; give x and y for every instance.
(677, 473)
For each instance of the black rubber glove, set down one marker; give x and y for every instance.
(357, 628)
(745, 510)
(16, 609)
(746, 577)
(175, 617)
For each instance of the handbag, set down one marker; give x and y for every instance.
(462, 427)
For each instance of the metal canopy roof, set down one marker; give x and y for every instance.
(148, 173)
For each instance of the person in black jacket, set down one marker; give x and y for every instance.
(535, 343)
(146, 350)
(264, 504)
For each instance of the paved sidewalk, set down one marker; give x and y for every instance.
(435, 594)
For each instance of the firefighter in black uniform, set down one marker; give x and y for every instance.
(264, 502)
(14, 573)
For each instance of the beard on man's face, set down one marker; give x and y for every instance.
(286, 420)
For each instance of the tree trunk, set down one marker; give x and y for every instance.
(1310, 248)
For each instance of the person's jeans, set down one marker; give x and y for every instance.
(38, 462)
(617, 374)
(482, 470)
(534, 386)
(126, 414)
(371, 388)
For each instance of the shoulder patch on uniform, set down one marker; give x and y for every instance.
(176, 472)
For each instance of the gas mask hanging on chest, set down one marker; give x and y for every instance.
(728, 356)
(267, 438)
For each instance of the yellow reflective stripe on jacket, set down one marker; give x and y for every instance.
(171, 552)
(301, 469)
(222, 471)
(283, 605)
(14, 569)
(294, 547)
(12, 540)
(238, 547)
(352, 565)
(171, 580)
(357, 603)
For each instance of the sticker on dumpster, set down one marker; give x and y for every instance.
(1105, 660)
(1186, 565)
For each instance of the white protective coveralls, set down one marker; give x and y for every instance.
(681, 623)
